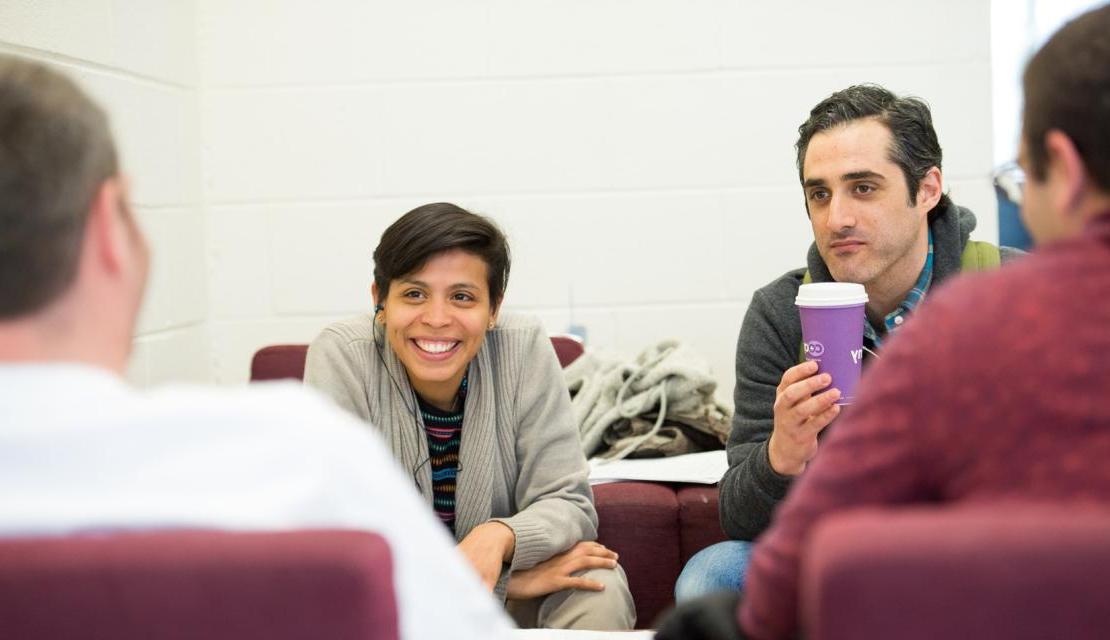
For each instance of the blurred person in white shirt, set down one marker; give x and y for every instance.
(80, 450)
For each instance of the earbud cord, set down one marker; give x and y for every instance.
(410, 407)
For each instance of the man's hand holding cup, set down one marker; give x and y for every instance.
(799, 416)
(832, 316)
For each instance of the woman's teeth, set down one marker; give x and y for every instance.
(435, 346)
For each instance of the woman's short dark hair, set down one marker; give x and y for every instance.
(431, 229)
(914, 147)
(1067, 87)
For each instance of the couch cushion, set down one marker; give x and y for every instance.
(699, 520)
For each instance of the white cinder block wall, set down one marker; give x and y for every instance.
(640, 154)
(138, 59)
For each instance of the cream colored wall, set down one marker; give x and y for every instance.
(640, 155)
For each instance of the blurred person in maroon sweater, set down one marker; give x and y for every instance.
(997, 390)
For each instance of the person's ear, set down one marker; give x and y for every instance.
(379, 304)
(930, 189)
(494, 313)
(108, 226)
(1065, 167)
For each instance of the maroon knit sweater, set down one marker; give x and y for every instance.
(999, 388)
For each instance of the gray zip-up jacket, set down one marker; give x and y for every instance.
(768, 345)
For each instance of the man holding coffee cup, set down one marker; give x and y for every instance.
(995, 394)
(870, 167)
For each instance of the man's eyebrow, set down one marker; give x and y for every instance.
(863, 175)
(813, 182)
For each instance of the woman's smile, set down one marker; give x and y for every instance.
(435, 349)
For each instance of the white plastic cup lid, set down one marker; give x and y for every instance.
(830, 294)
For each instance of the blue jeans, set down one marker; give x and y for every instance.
(717, 567)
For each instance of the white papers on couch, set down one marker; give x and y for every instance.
(703, 468)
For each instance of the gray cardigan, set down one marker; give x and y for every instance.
(767, 347)
(520, 461)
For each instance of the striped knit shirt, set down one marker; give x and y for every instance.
(444, 432)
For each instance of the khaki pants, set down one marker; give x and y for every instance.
(608, 610)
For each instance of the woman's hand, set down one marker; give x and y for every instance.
(555, 574)
(487, 547)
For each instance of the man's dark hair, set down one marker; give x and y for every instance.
(431, 229)
(1067, 87)
(56, 150)
(914, 146)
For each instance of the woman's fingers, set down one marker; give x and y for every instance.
(584, 584)
(583, 563)
(594, 549)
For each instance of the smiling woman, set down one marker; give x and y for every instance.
(472, 404)
(439, 278)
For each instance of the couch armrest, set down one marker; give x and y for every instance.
(639, 520)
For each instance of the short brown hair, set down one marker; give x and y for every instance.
(914, 146)
(56, 150)
(431, 229)
(1067, 87)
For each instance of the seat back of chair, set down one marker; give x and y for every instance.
(567, 348)
(1008, 571)
(198, 584)
(279, 362)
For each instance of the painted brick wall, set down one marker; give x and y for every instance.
(640, 154)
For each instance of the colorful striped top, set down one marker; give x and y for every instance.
(444, 432)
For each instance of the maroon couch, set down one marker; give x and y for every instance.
(1013, 571)
(654, 527)
(198, 584)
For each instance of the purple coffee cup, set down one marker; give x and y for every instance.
(832, 331)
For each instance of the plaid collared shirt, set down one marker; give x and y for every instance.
(895, 319)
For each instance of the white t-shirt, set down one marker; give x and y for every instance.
(80, 451)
